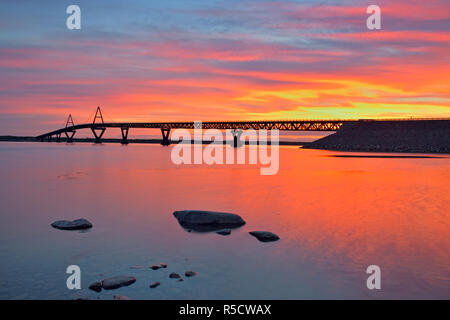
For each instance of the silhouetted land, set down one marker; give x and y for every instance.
(427, 136)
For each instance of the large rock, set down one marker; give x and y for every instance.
(112, 283)
(96, 286)
(117, 282)
(79, 224)
(205, 221)
(265, 236)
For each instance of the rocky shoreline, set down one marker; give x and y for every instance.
(418, 136)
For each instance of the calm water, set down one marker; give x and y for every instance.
(335, 217)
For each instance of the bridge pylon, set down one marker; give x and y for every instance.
(98, 115)
(97, 126)
(69, 123)
(165, 131)
(237, 137)
(124, 131)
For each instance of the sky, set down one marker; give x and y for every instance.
(221, 60)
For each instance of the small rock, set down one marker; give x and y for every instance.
(117, 282)
(174, 275)
(154, 284)
(96, 286)
(181, 279)
(224, 232)
(155, 267)
(265, 236)
(163, 265)
(121, 298)
(190, 273)
(79, 224)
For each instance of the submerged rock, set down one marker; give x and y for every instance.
(96, 286)
(163, 265)
(265, 236)
(154, 284)
(224, 232)
(155, 267)
(190, 273)
(79, 224)
(174, 275)
(205, 221)
(112, 283)
(117, 282)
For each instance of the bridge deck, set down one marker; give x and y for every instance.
(297, 125)
(287, 125)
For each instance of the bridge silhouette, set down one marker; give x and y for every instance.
(98, 127)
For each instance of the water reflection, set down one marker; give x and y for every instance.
(334, 215)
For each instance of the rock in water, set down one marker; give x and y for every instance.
(117, 282)
(79, 224)
(163, 265)
(224, 232)
(154, 284)
(96, 286)
(265, 236)
(155, 267)
(174, 275)
(190, 273)
(204, 221)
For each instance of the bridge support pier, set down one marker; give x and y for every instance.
(69, 137)
(236, 137)
(58, 137)
(124, 131)
(98, 137)
(165, 136)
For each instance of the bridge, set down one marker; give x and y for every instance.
(98, 127)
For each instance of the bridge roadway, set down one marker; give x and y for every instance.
(289, 125)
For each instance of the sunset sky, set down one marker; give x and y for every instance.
(214, 60)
